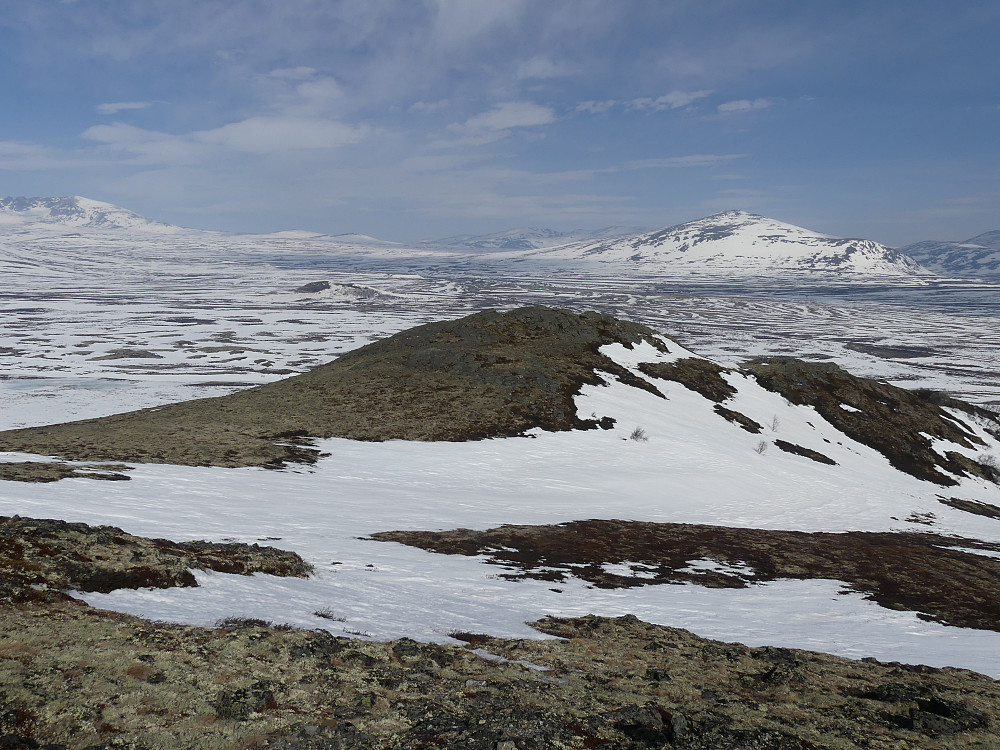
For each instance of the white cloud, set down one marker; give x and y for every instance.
(673, 100)
(113, 108)
(744, 105)
(141, 146)
(511, 115)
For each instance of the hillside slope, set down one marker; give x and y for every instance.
(497, 374)
(487, 375)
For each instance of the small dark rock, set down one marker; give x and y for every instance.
(239, 703)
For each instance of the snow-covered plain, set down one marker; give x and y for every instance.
(96, 322)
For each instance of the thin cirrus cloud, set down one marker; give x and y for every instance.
(263, 135)
(508, 115)
(744, 105)
(691, 160)
(255, 135)
(32, 157)
(113, 108)
(673, 100)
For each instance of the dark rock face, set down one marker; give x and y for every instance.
(799, 450)
(891, 420)
(750, 425)
(699, 375)
(987, 510)
(905, 571)
(39, 471)
(487, 375)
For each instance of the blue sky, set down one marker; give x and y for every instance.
(410, 119)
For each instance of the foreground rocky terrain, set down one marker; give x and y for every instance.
(75, 677)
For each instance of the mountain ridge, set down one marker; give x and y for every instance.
(729, 243)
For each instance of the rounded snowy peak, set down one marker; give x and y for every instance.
(75, 211)
(742, 243)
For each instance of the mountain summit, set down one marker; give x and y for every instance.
(740, 243)
(76, 211)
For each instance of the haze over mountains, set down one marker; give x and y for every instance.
(730, 243)
(977, 256)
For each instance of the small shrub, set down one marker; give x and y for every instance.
(327, 614)
(639, 435)
(761, 447)
(235, 623)
(775, 423)
(992, 466)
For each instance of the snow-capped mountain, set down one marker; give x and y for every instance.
(529, 238)
(737, 242)
(977, 256)
(76, 211)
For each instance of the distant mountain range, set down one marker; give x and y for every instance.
(529, 238)
(978, 256)
(728, 243)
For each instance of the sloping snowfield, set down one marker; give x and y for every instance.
(76, 342)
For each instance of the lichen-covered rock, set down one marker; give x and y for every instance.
(39, 557)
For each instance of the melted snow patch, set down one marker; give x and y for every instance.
(630, 570)
(707, 565)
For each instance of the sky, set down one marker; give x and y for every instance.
(418, 119)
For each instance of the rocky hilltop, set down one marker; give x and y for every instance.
(487, 375)
(495, 374)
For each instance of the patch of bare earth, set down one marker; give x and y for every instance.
(487, 375)
(904, 571)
